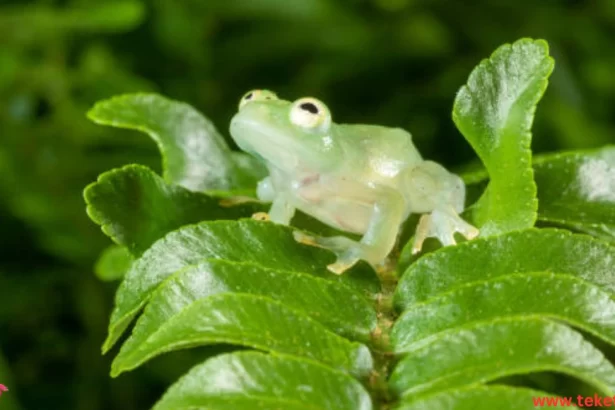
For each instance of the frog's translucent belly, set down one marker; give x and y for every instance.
(341, 213)
(342, 201)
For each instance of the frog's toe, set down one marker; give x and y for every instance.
(446, 238)
(442, 225)
(339, 267)
(423, 231)
(470, 232)
(459, 225)
(304, 238)
(261, 216)
(344, 261)
(347, 251)
(336, 244)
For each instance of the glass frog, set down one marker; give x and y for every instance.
(363, 179)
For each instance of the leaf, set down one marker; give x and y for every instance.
(262, 243)
(310, 10)
(577, 190)
(320, 299)
(494, 112)
(194, 154)
(481, 398)
(532, 250)
(37, 23)
(114, 16)
(113, 263)
(252, 380)
(252, 321)
(135, 207)
(560, 297)
(487, 351)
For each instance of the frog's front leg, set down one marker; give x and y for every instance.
(441, 223)
(387, 214)
(440, 195)
(281, 210)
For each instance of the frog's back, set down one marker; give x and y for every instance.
(387, 150)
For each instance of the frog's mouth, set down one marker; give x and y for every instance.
(268, 145)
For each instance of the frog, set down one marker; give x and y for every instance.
(357, 178)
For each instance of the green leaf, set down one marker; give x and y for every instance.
(561, 297)
(105, 17)
(252, 321)
(487, 351)
(135, 207)
(481, 398)
(194, 154)
(252, 380)
(494, 112)
(262, 243)
(312, 10)
(577, 190)
(320, 299)
(532, 250)
(36, 23)
(113, 263)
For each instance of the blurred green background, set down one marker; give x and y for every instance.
(390, 62)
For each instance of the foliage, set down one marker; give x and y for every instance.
(427, 333)
(390, 62)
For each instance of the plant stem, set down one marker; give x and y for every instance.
(381, 344)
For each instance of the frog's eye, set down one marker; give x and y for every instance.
(310, 113)
(257, 95)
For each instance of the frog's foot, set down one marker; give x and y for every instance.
(441, 225)
(261, 216)
(236, 200)
(348, 252)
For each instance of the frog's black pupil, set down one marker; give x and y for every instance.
(309, 107)
(248, 97)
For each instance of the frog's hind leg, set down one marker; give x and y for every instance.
(385, 217)
(340, 245)
(442, 223)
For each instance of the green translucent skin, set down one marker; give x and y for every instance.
(364, 179)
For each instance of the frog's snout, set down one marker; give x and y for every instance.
(239, 129)
(253, 110)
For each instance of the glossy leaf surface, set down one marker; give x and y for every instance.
(318, 298)
(251, 380)
(482, 398)
(577, 190)
(487, 351)
(252, 321)
(532, 250)
(194, 154)
(135, 207)
(262, 243)
(561, 297)
(494, 112)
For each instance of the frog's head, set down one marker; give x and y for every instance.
(287, 135)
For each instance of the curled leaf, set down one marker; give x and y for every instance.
(494, 112)
(194, 154)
